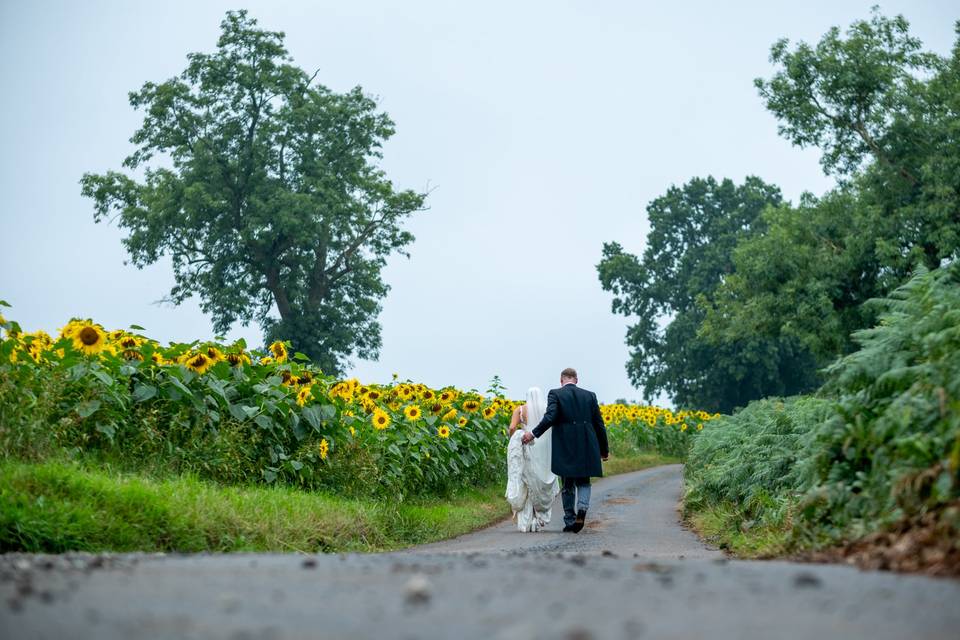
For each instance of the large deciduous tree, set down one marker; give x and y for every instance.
(693, 232)
(887, 118)
(263, 189)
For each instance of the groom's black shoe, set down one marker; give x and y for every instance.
(578, 524)
(569, 529)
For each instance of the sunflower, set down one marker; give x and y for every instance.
(237, 359)
(699, 426)
(279, 351)
(304, 394)
(427, 395)
(443, 431)
(471, 405)
(462, 421)
(89, 338)
(289, 379)
(353, 432)
(324, 448)
(198, 362)
(446, 397)
(373, 395)
(266, 360)
(449, 415)
(412, 412)
(381, 419)
(436, 408)
(489, 412)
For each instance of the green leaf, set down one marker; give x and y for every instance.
(107, 429)
(144, 392)
(102, 376)
(312, 415)
(264, 422)
(137, 327)
(4, 303)
(269, 474)
(301, 357)
(88, 408)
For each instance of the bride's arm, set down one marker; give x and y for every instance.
(514, 421)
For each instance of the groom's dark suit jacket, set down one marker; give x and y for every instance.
(579, 435)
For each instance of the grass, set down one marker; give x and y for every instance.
(715, 524)
(58, 506)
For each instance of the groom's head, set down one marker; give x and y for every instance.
(568, 376)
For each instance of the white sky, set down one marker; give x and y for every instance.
(545, 128)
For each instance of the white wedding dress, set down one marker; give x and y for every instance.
(531, 486)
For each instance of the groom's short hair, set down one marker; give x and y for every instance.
(569, 373)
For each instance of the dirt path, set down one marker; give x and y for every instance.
(495, 583)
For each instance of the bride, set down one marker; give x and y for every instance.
(531, 486)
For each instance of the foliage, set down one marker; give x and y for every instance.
(881, 444)
(753, 459)
(265, 194)
(892, 449)
(693, 231)
(224, 413)
(887, 118)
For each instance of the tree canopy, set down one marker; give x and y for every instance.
(887, 117)
(262, 187)
(693, 232)
(739, 294)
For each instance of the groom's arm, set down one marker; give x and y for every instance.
(600, 429)
(549, 416)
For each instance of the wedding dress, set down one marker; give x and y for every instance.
(531, 486)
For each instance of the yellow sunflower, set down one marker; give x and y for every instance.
(324, 448)
(279, 351)
(412, 412)
(198, 362)
(89, 338)
(266, 360)
(381, 419)
(489, 412)
(471, 405)
(449, 415)
(237, 359)
(305, 394)
(443, 431)
(462, 421)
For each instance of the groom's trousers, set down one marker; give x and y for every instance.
(576, 497)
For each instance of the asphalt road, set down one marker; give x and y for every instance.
(634, 572)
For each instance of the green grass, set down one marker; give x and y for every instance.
(58, 506)
(717, 525)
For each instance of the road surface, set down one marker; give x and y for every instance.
(634, 572)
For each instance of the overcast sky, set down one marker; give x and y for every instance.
(544, 127)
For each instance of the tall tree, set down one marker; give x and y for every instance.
(693, 232)
(887, 118)
(266, 195)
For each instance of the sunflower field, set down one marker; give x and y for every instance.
(233, 414)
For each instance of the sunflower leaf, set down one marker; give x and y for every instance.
(143, 392)
(88, 408)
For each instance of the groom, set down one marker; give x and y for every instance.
(579, 444)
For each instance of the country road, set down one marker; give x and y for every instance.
(634, 572)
